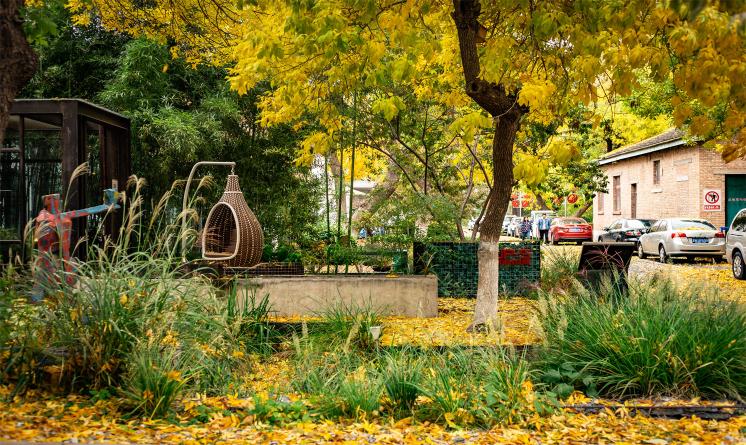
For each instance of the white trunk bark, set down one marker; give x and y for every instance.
(485, 313)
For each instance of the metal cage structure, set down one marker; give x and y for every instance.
(232, 235)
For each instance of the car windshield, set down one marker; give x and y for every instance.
(640, 223)
(691, 224)
(572, 221)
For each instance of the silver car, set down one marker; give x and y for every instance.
(735, 245)
(682, 237)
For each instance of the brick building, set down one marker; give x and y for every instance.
(664, 177)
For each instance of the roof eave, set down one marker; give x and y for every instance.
(644, 151)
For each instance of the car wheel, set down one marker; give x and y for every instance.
(640, 254)
(662, 255)
(739, 268)
(600, 239)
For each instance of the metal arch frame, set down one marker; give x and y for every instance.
(230, 164)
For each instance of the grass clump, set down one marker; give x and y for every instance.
(660, 340)
(155, 380)
(96, 332)
(402, 378)
(349, 327)
(558, 268)
(458, 388)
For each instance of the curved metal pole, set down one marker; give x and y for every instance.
(232, 165)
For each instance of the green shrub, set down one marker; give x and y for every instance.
(660, 340)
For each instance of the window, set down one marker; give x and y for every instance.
(617, 194)
(639, 223)
(657, 172)
(571, 221)
(601, 197)
(691, 224)
(739, 222)
(616, 225)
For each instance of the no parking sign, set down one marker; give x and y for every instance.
(712, 200)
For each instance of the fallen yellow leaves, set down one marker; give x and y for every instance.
(454, 316)
(42, 417)
(717, 276)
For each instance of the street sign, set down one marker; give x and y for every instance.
(713, 201)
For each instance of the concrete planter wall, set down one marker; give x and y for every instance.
(410, 296)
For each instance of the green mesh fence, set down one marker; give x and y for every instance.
(457, 268)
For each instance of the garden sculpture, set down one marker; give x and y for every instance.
(53, 236)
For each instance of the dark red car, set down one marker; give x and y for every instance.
(570, 229)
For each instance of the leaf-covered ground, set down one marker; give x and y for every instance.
(77, 420)
(44, 417)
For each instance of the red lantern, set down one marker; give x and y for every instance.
(525, 203)
(516, 203)
(514, 196)
(573, 198)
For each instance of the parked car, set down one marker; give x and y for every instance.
(735, 245)
(570, 229)
(536, 216)
(625, 230)
(682, 237)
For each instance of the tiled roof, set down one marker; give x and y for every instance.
(670, 135)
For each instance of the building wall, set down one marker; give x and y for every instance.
(712, 176)
(685, 173)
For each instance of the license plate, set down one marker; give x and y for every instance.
(700, 240)
(576, 230)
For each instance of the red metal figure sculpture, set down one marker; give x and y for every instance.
(53, 237)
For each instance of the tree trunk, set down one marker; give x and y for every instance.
(17, 59)
(504, 107)
(380, 193)
(581, 211)
(485, 313)
(541, 201)
(335, 165)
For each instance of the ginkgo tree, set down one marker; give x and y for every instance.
(517, 60)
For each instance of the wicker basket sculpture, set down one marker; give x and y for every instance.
(232, 234)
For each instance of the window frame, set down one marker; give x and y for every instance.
(657, 172)
(617, 194)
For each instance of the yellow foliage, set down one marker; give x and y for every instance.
(318, 54)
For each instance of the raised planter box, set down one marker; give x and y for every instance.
(409, 295)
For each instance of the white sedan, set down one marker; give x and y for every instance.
(682, 237)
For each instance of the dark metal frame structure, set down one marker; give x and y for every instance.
(75, 120)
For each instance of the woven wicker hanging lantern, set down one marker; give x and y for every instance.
(232, 234)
